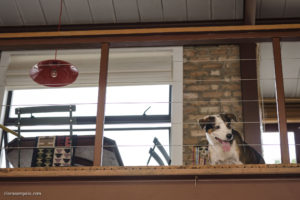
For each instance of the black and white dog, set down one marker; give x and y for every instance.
(226, 145)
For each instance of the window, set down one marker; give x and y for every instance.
(271, 147)
(134, 116)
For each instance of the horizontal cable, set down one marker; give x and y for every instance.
(223, 100)
(139, 146)
(196, 122)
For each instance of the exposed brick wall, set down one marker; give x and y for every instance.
(211, 74)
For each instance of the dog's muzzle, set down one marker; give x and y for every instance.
(229, 137)
(226, 144)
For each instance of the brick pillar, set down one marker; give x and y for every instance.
(211, 75)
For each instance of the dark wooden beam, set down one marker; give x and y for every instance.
(249, 12)
(250, 95)
(167, 39)
(178, 189)
(114, 26)
(73, 27)
(101, 104)
(281, 113)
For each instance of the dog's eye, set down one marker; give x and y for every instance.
(217, 127)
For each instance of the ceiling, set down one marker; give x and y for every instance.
(290, 68)
(46, 12)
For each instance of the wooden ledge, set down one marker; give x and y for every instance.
(143, 31)
(281, 169)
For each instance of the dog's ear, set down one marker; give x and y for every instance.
(203, 122)
(206, 121)
(228, 117)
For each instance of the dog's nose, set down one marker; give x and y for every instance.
(229, 136)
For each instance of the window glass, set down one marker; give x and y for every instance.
(134, 145)
(133, 138)
(120, 100)
(135, 100)
(271, 147)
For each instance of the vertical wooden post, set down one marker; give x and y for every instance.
(250, 12)
(250, 95)
(101, 104)
(280, 100)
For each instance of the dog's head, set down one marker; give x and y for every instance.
(218, 128)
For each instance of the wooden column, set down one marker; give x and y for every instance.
(101, 104)
(250, 95)
(250, 12)
(280, 100)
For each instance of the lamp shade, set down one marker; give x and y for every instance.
(54, 73)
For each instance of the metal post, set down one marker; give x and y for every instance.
(71, 133)
(19, 138)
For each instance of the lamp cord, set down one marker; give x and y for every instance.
(59, 23)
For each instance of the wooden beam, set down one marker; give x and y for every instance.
(151, 171)
(250, 95)
(265, 188)
(101, 104)
(148, 40)
(142, 31)
(249, 12)
(281, 113)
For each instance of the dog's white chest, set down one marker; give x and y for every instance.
(218, 156)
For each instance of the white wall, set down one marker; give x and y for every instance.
(177, 108)
(4, 59)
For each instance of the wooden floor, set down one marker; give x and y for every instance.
(245, 182)
(227, 170)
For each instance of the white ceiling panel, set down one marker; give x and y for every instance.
(126, 11)
(150, 11)
(290, 49)
(79, 11)
(267, 88)
(266, 69)
(52, 10)
(292, 8)
(103, 11)
(175, 10)
(290, 68)
(298, 88)
(33, 14)
(290, 87)
(239, 9)
(225, 9)
(199, 10)
(265, 51)
(272, 8)
(9, 13)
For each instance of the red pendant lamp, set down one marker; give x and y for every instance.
(54, 73)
